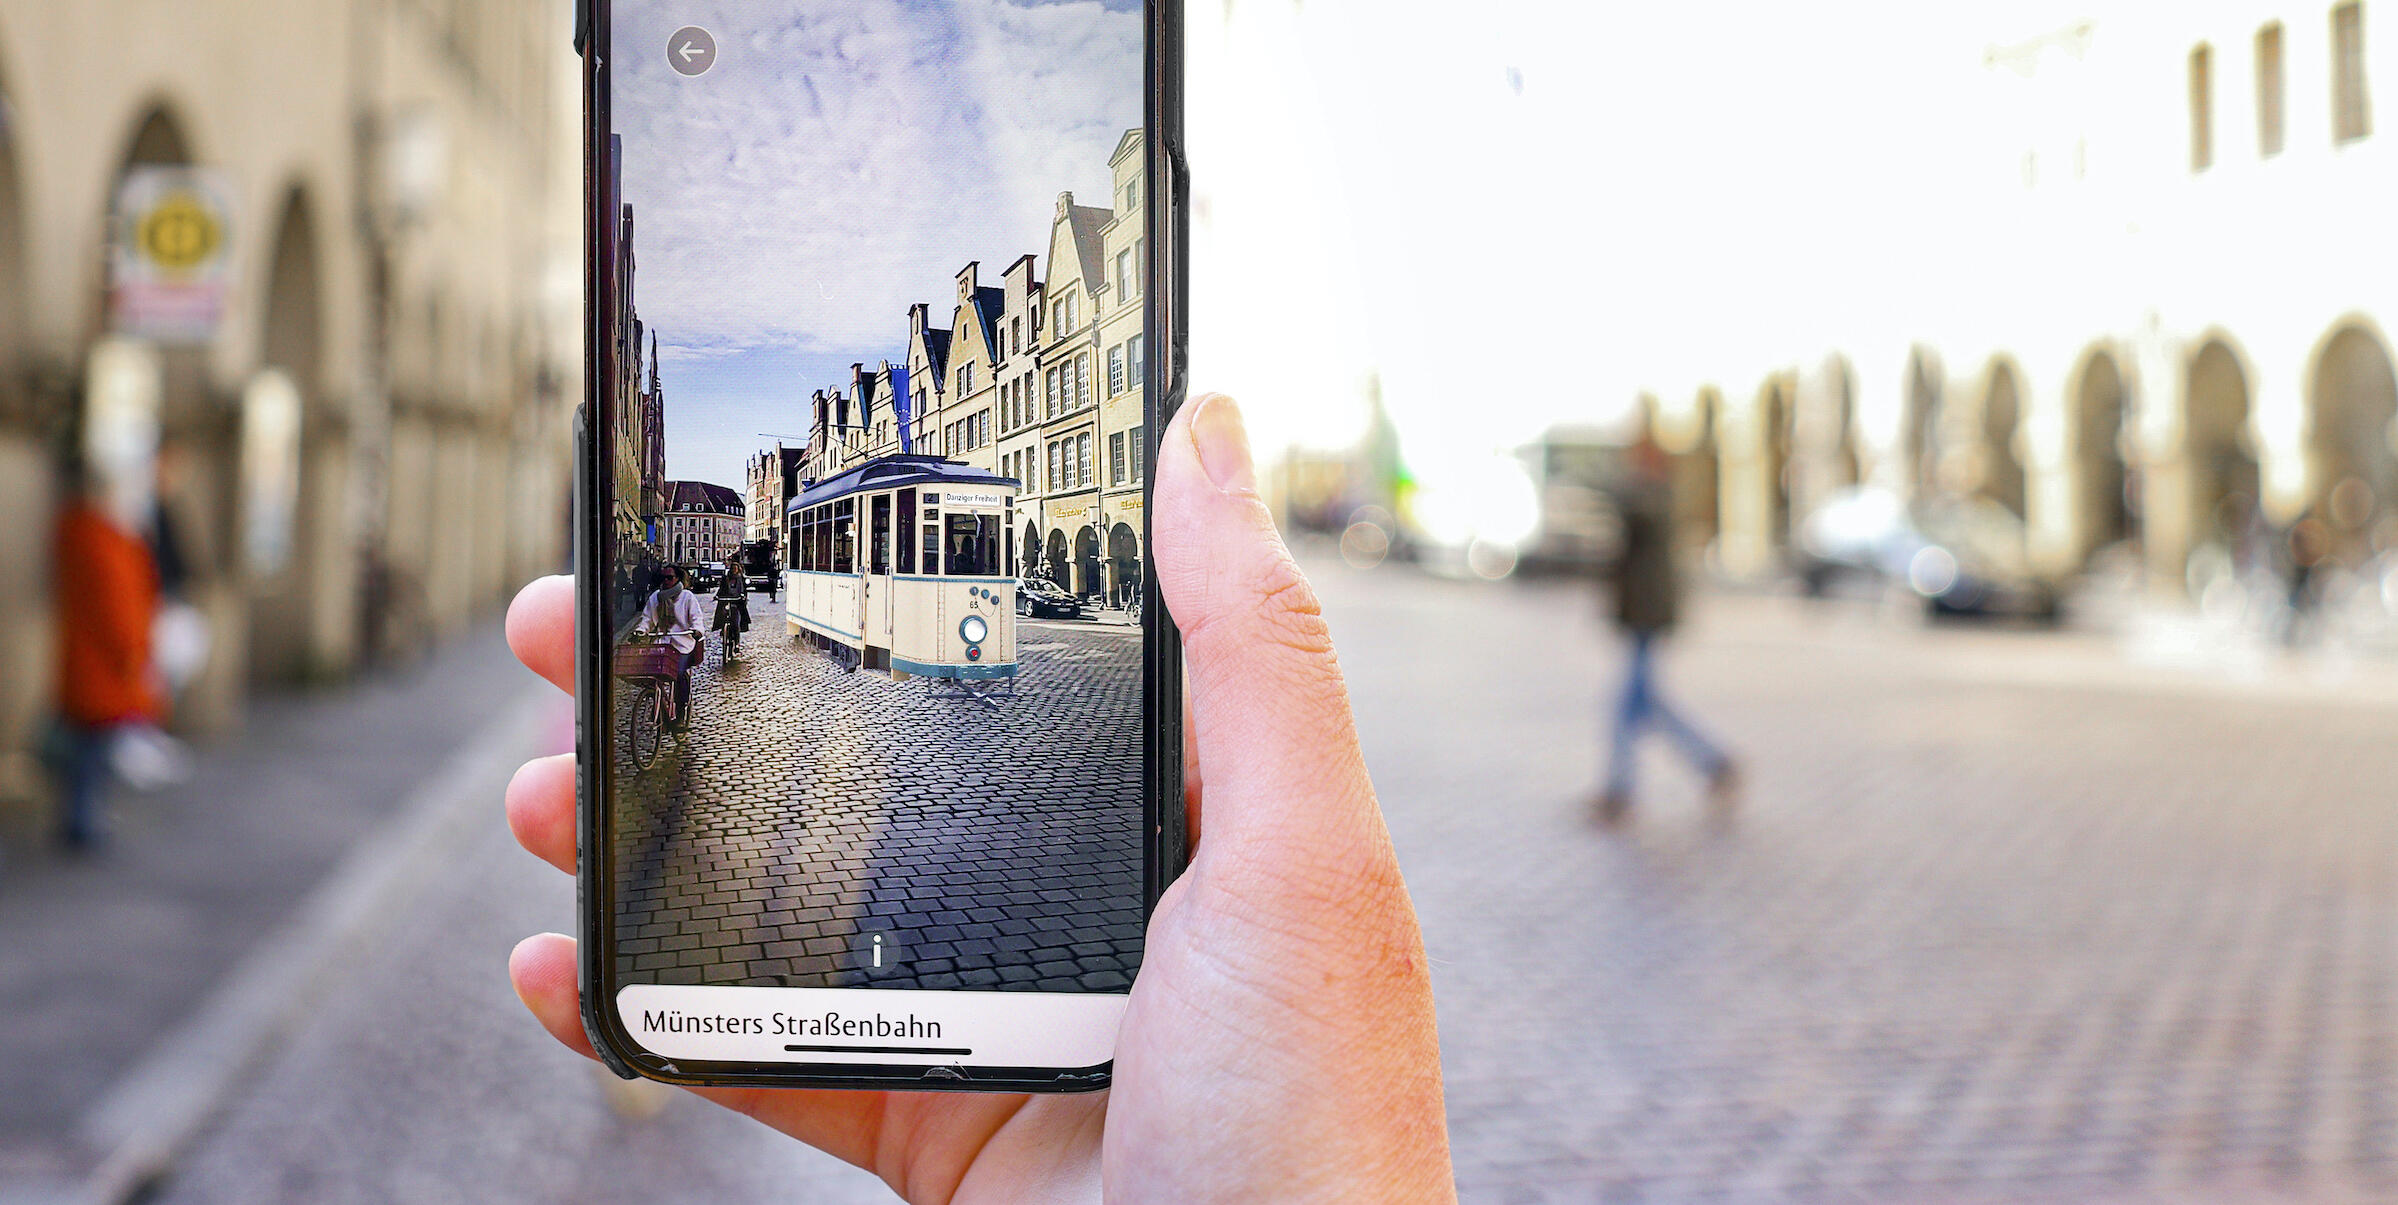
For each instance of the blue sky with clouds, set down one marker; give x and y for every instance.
(842, 161)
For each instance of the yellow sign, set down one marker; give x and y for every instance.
(172, 256)
(180, 234)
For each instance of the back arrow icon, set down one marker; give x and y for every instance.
(690, 51)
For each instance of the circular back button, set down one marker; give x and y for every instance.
(691, 50)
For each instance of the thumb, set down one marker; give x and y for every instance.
(1269, 711)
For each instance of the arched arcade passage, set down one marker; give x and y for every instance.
(2352, 459)
(2000, 476)
(2104, 488)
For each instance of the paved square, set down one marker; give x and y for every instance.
(809, 808)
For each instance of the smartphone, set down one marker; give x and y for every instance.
(879, 716)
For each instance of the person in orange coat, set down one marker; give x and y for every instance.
(107, 594)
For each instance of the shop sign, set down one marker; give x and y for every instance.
(171, 255)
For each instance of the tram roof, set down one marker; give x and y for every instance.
(895, 472)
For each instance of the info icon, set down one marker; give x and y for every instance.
(877, 952)
(691, 50)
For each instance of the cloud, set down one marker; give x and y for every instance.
(844, 162)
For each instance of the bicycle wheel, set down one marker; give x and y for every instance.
(649, 726)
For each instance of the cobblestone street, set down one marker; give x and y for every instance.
(810, 809)
(2003, 919)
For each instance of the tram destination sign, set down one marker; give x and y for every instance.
(968, 499)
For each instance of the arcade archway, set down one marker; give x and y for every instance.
(1124, 559)
(1774, 417)
(1699, 496)
(2218, 452)
(1920, 440)
(2352, 469)
(2104, 511)
(287, 493)
(2001, 470)
(1087, 574)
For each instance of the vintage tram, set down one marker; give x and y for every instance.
(903, 565)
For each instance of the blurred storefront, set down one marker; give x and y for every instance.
(318, 259)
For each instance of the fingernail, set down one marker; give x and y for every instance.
(1223, 443)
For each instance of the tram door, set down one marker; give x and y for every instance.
(878, 576)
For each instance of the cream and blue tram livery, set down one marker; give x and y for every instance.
(903, 565)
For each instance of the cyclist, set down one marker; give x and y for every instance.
(732, 606)
(673, 612)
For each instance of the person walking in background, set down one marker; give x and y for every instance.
(107, 597)
(1646, 592)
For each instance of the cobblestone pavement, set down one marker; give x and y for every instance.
(1994, 924)
(991, 847)
(1997, 923)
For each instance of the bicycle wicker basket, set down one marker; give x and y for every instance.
(648, 661)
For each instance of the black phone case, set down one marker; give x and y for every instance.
(1166, 384)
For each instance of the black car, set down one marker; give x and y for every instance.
(1960, 555)
(1037, 597)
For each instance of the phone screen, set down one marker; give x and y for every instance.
(873, 459)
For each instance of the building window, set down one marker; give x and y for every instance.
(965, 379)
(1133, 362)
(1056, 479)
(1133, 444)
(1082, 461)
(1132, 195)
(2268, 91)
(1125, 289)
(1082, 380)
(1115, 459)
(1115, 370)
(2202, 109)
(1049, 401)
(1015, 336)
(2351, 108)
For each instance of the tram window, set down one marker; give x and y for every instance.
(845, 536)
(1008, 547)
(932, 542)
(907, 531)
(879, 536)
(973, 545)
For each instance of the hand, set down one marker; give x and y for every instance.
(1279, 1043)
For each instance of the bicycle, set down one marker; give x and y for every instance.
(730, 620)
(656, 667)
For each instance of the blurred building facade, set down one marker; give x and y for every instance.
(2175, 323)
(394, 185)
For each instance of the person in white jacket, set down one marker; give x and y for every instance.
(673, 612)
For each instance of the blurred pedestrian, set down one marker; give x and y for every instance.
(106, 581)
(1647, 598)
(179, 636)
(2305, 548)
(672, 613)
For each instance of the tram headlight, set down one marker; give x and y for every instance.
(974, 629)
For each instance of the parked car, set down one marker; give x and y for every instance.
(1960, 555)
(1038, 597)
(706, 574)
